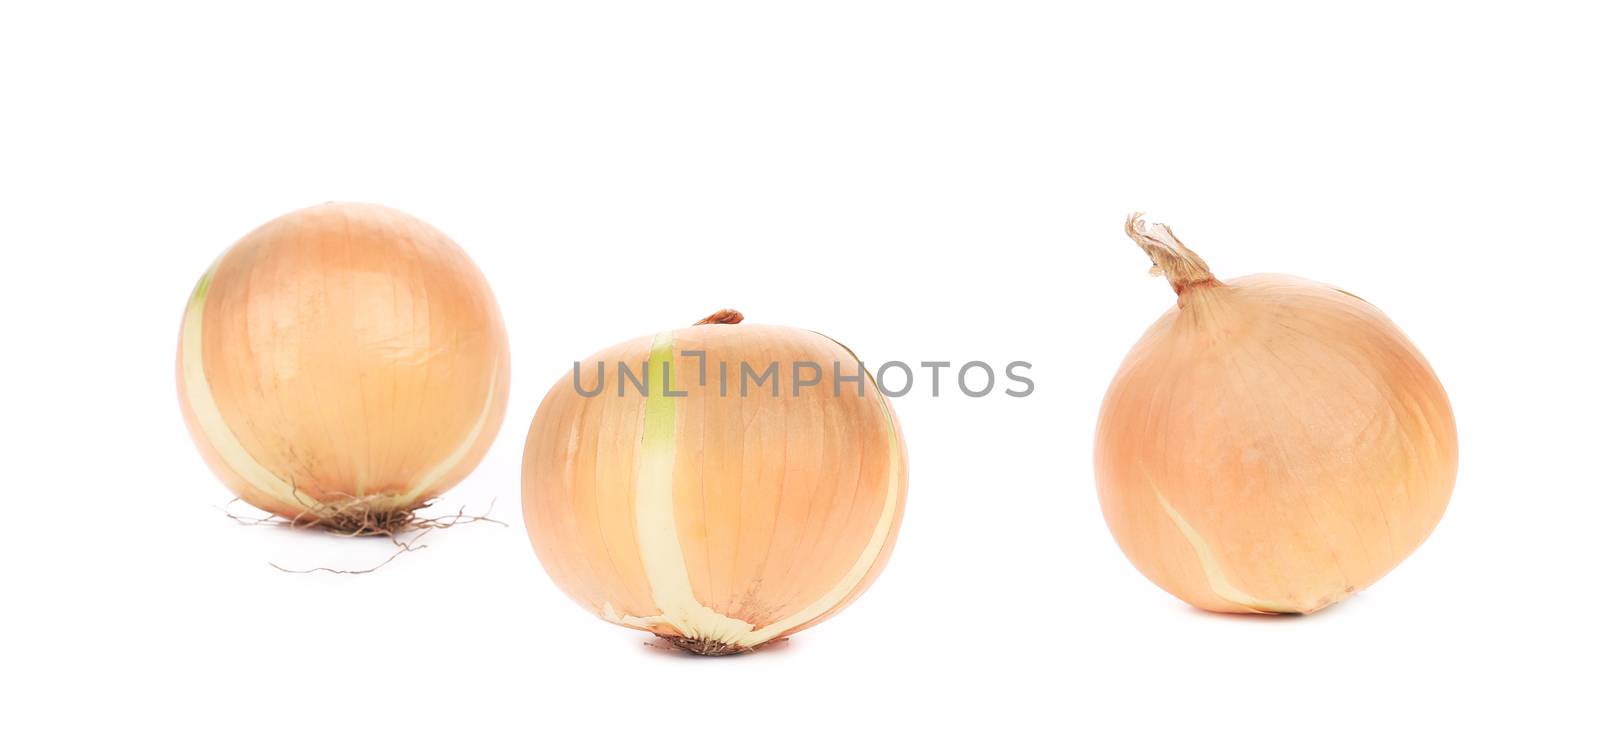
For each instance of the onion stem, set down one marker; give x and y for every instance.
(1182, 267)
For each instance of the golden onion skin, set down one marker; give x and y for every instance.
(1271, 445)
(342, 354)
(719, 522)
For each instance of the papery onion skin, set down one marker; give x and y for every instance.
(717, 522)
(343, 364)
(1272, 444)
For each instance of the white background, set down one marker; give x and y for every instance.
(922, 181)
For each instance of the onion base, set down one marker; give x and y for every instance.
(372, 515)
(712, 648)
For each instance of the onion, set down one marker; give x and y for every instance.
(714, 513)
(1271, 444)
(342, 365)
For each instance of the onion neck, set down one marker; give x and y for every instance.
(1182, 267)
(722, 317)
